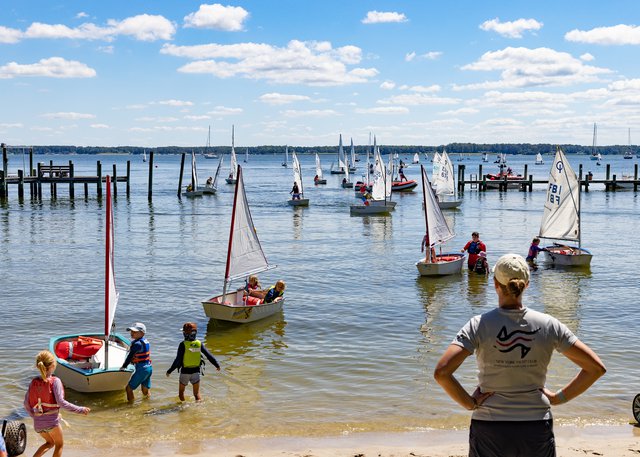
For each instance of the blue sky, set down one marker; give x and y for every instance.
(300, 73)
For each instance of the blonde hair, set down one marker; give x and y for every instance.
(44, 360)
(253, 279)
(514, 287)
(281, 284)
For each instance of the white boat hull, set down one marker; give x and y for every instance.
(568, 256)
(446, 264)
(197, 193)
(449, 204)
(391, 204)
(299, 202)
(234, 309)
(209, 190)
(359, 210)
(231, 180)
(625, 184)
(90, 375)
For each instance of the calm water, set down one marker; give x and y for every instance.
(355, 347)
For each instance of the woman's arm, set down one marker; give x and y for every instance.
(591, 369)
(443, 374)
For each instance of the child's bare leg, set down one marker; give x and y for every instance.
(196, 391)
(130, 396)
(145, 391)
(48, 444)
(181, 388)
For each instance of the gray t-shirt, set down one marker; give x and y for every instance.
(513, 349)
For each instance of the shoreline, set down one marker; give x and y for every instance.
(571, 441)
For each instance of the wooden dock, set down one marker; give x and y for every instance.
(481, 183)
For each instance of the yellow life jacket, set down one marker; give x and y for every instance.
(192, 354)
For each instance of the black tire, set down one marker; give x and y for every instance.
(15, 437)
(636, 407)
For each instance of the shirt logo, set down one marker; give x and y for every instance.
(510, 341)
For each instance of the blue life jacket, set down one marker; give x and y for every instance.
(474, 247)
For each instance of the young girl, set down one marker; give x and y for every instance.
(43, 401)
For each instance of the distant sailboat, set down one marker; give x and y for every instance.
(342, 162)
(233, 170)
(246, 155)
(144, 156)
(297, 178)
(192, 190)
(416, 158)
(628, 154)
(207, 149)
(594, 147)
(319, 179)
(286, 157)
(539, 160)
(212, 187)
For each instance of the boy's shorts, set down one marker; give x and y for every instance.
(186, 378)
(142, 376)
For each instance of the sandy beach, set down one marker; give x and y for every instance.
(608, 441)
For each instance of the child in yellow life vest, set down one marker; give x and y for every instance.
(188, 361)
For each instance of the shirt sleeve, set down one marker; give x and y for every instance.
(58, 392)
(209, 356)
(177, 363)
(133, 350)
(466, 337)
(565, 337)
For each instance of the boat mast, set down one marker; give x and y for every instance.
(233, 220)
(427, 246)
(107, 271)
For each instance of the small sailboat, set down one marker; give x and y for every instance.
(352, 158)
(319, 179)
(444, 184)
(594, 147)
(207, 149)
(144, 155)
(233, 168)
(628, 154)
(561, 217)
(539, 160)
(246, 155)
(346, 182)
(416, 158)
(437, 232)
(212, 187)
(244, 257)
(342, 162)
(90, 362)
(380, 202)
(286, 157)
(297, 178)
(485, 157)
(192, 189)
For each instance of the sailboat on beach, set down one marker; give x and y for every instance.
(244, 257)
(437, 232)
(561, 217)
(90, 362)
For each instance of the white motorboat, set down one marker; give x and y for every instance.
(94, 365)
(561, 217)
(244, 257)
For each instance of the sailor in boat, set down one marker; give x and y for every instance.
(209, 182)
(474, 247)
(431, 257)
(253, 285)
(272, 294)
(316, 178)
(43, 400)
(482, 265)
(189, 361)
(534, 250)
(189, 188)
(295, 191)
(140, 355)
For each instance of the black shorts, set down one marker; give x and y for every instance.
(512, 439)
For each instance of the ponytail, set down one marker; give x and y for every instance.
(514, 287)
(44, 360)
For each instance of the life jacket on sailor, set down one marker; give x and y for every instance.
(41, 398)
(143, 357)
(192, 354)
(272, 294)
(474, 247)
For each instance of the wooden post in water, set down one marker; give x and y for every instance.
(180, 179)
(128, 178)
(150, 187)
(32, 172)
(5, 171)
(635, 177)
(72, 193)
(606, 177)
(523, 188)
(20, 186)
(115, 182)
(2, 188)
(580, 183)
(52, 185)
(86, 190)
(39, 183)
(613, 183)
(99, 173)
(461, 178)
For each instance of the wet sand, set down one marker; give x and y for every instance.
(607, 441)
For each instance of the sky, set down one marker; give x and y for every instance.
(161, 73)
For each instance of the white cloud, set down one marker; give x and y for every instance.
(175, 103)
(587, 57)
(53, 67)
(200, 117)
(106, 49)
(81, 15)
(163, 120)
(422, 89)
(68, 115)
(431, 55)
(310, 113)
(409, 56)
(224, 111)
(311, 63)
(218, 17)
(459, 111)
(387, 85)
(511, 29)
(8, 35)
(275, 98)
(384, 110)
(11, 126)
(615, 35)
(99, 126)
(418, 99)
(143, 27)
(136, 107)
(379, 17)
(523, 67)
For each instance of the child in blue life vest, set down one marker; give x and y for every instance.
(43, 401)
(140, 355)
(189, 360)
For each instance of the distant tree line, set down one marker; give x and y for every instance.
(405, 150)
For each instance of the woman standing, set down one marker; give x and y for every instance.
(43, 401)
(513, 344)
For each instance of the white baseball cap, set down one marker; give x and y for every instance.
(511, 266)
(138, 327)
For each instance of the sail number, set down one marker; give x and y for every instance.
(555, 192)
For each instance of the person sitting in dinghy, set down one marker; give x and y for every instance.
(295, 192)
(432, 256)
(209, 182)
(273, 293)
(251, 285)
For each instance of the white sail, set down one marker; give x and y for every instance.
(539, 158)
(561, 218)
(388, 179)
(416, 158)
(378, 191)
(341, 158)
(111, 295)
(346, 171)
(297, 173)
(245, 253)
(233, 172)
(318, 167)
(437, 166)
(444, 179)
(286, 155)
(246, 155)
(215, 177)
(194, 173)
(437, 228)
(353, 155)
